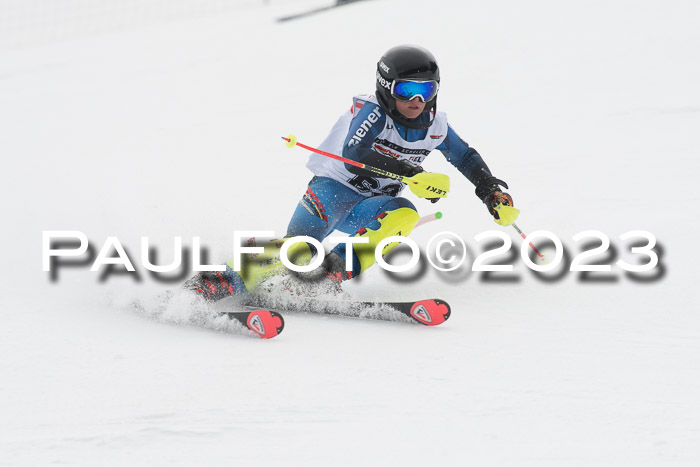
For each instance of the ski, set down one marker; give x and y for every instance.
(314, 11)
(182, 307)
(429, 312)
(264, 323)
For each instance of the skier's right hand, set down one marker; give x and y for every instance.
(408, 169)
(429, 185)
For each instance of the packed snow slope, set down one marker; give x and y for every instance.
(170, 126)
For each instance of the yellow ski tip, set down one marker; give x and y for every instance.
(507, 214)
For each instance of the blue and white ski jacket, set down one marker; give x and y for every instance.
(366, 129)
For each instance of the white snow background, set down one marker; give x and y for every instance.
(127, 119)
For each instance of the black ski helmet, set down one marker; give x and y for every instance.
(406, 62)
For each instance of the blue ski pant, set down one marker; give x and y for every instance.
(329, 205)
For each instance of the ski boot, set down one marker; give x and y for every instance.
(212, 286)
(257, 268)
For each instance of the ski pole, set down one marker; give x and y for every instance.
(292, 141)
(429, 218)
(524, 236)
(423, 184)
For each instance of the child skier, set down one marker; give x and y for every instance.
(394, 130)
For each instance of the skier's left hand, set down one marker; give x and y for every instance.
(489, 191)
(494, 199)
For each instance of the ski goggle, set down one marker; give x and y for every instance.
(405, 90)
